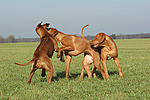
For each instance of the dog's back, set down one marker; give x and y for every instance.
(45, 48)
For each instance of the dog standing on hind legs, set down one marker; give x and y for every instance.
(107, 48)
(42, 54)
(42, 33)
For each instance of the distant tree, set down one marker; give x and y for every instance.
(2, 40)
(10, 39)
(113, 36)
(90, 37)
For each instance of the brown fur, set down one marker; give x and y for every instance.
(108, 50)
(73, 46)
(42, 54)
(42, 34)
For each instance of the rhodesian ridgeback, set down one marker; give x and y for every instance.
(42, 54)
(73, 46)
(108, 49)
(42, 34)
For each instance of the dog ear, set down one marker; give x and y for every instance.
(47, 24)
(100, 37)
(56, 32)
(41, 22)
(39, 25)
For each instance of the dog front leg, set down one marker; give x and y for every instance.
(68, 61)
(55, 44)
(67, 48)
(62, 57)
(94, 72)
(82, 73)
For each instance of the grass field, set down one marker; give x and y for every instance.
(134, 57)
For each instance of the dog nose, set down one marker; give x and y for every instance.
(90, 42)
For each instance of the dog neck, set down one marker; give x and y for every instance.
(59, 36)
(41, 32)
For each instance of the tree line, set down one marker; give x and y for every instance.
(130, 36)
(125, 36)
(12, 39)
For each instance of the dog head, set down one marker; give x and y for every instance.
(53, 31)
(46, 25)
(99, 38)
(39, 25)
(42, 29)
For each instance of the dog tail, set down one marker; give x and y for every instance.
(25, 63)
(82, 31)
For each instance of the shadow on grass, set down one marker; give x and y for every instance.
(99, 75)
(62, 74)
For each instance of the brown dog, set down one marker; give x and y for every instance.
(42, 54)
(108, 50)
(42, 33)
(73, 46)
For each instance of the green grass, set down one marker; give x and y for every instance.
(134, 57)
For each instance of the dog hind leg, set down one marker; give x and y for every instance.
(105, 68)
(87, 61)
(49, 67)
(116, 60)
(43, 72)
(33, 69)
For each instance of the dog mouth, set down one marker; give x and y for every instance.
(95, 45)
(47, 28)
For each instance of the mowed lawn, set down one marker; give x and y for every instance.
(134, 57)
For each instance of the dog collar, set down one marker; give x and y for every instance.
(55, 34)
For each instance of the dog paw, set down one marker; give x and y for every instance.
(121, 75)
(58, 55)
(56, 49)
(43, 74)
(94, 75)
(62, 60)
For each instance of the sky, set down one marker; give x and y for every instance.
(20, 17)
